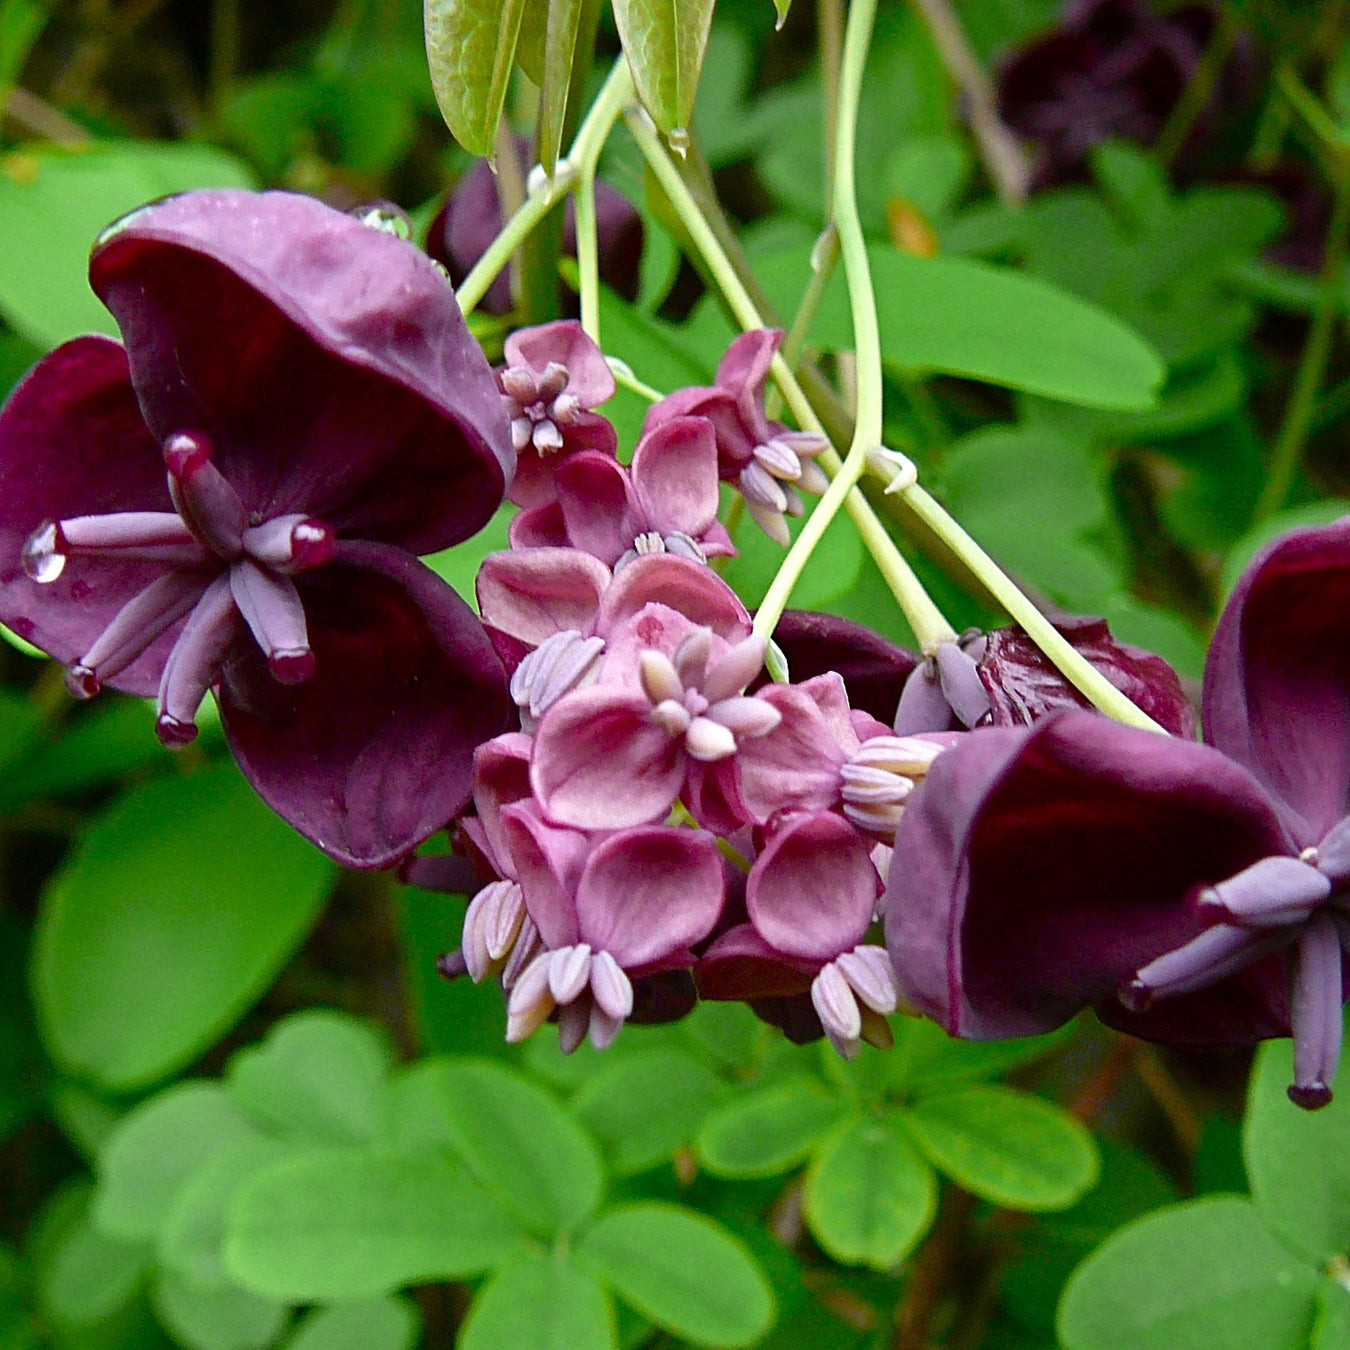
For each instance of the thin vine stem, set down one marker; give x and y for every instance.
(588, 253)
(927, 621)
(545, 193)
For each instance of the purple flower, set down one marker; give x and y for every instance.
(769, 464)
(608, 908)
(666, 503)
(234, 500)
(554, 375)
(1191, 893)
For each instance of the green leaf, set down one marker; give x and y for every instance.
(926, 1059)
(363, 1324)
(215, 1317)
(1037, 501)
(870, 1196)
(342, 1223)
(470, 48)
(321, 1075)
(85, 1277)
(53, 203)
(540, 1303)
(683, 1271)
(643, 1106)
(1007, 1146)
(156, 1149)
(759, 1134)
(173, 913)
(192, 1237)
(1298, 1162)
(560, 42)
(664, 41)
(21, 23)
(517, 1140)
(1331, 1331)
(1205, 1275)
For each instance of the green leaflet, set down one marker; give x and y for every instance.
(470, 47)
(540, 1303)
(664, 41)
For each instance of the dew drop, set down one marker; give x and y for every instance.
(41, 558)
(81, 681)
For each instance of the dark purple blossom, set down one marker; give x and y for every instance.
(234, 501)
(1191, 894)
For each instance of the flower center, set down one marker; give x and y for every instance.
(218, 563)
(539, 406)
(1279, 902)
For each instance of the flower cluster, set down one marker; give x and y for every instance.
(236, 499)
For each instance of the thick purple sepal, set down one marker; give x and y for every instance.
(374, 752)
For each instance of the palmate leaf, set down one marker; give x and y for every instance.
(470, 48)
(664, 41)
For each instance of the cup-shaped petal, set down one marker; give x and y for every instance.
(647, 895)
(373, 753)
(1277, 680)
(328, 362)
(549, 861)
(536, 592)
(813, 890)
(1036, 870)
(675, 476)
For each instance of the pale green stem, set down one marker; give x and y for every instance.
(545, 193)
(824, 256)
(924, 618)
(1081, 673)
(866, 334)
(588, 254)
(623, 374)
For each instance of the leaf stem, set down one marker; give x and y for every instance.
(1199, 89)
(544, 193)
(929, 626)
(1299, 416)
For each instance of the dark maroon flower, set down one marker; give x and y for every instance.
(472, 218)
(234, 501)
(1113, 68)
(1041, 870)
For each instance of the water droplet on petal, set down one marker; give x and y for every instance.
(42, 558)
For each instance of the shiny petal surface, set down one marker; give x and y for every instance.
(328, 361)
(1036, 870)
(1277, 680)
(536, 592)
(675, 476)
(374, 752)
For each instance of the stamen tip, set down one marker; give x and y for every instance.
(291, 667)
(173, 733)
(82, 682)
(1135, 995)
(1310, 1096)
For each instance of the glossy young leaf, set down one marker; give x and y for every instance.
(362, 1324)
(470, 46)
(539, 1302)
(174, 912)
(517, 1140)
(643, 1106)
(319, 1075)
(1298, 1162)
(559, 33)
(343, 1223)
(683, 1271)
(1007, 1146)
(664, 43)
(870, 1195)
(1206, 1275)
